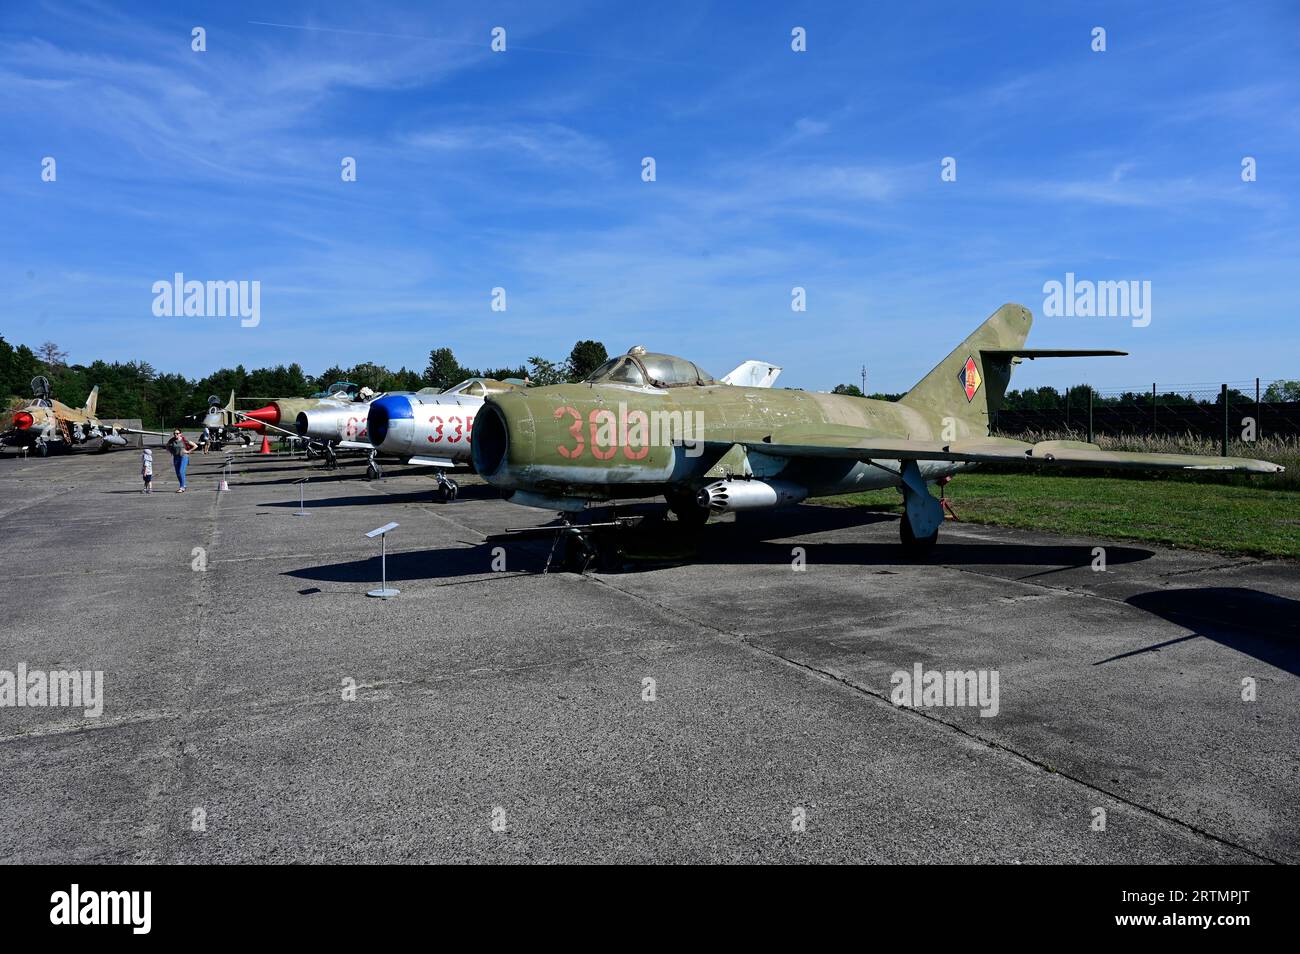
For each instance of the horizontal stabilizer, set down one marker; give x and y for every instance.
(1032, 353)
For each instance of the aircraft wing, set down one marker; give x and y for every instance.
(993, 450)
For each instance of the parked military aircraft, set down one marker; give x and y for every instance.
(281, 413)
(431, 427)
(434, 428)
(46, 424)
(228, 424)
(647, 424)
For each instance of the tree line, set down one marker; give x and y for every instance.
(137, 390)
(1050, 399)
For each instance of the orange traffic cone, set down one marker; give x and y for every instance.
(266, 445)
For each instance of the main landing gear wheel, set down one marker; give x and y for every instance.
(913, 545)
(687, 509)
(373, 472)
(42, 449)
(447, 489)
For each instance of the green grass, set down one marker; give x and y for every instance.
(1279, 450)
(1253, 521)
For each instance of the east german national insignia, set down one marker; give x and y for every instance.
(970, 379)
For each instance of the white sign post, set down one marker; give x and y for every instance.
(384, 591)
(302, 509)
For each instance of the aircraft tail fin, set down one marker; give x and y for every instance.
(968, 385)
(753, 374)
(230, 405)
(963, 393)
(92, 402)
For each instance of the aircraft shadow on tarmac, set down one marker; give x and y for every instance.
(1261, 625)
(746, 543)
(471, 492)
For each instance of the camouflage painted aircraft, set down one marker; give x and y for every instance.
(434, 428)
(647, 424)
(46, 424)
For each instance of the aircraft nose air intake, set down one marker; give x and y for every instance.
(23, 420)
(490, 442)
(383, 413)
(267, 415)
(502, 445)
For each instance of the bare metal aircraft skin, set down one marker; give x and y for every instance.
(647, 424)
(46, 424)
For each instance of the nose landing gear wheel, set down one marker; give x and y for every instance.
(581, 552)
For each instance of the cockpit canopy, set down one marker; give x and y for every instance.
(640, 368)
(339, 391)
(480, 387)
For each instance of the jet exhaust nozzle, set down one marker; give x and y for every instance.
(723, 496)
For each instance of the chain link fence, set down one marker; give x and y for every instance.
(1224, 413)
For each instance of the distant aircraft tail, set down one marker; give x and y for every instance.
(92, 402)
(961, 395)
(753, 374)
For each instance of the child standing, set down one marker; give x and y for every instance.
(146, 470)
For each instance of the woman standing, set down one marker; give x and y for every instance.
(180, 446)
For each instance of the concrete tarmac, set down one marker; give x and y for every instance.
(257, 706)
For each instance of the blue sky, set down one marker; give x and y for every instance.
(775, 169)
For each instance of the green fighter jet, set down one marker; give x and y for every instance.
(647, 424)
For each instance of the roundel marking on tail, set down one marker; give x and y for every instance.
(970, 379)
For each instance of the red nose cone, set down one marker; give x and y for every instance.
(267, 415)
(22, 420)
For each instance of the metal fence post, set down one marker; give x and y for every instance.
(1259, 413)
(1153, 409)
(1223, 393)
(1090, 431)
